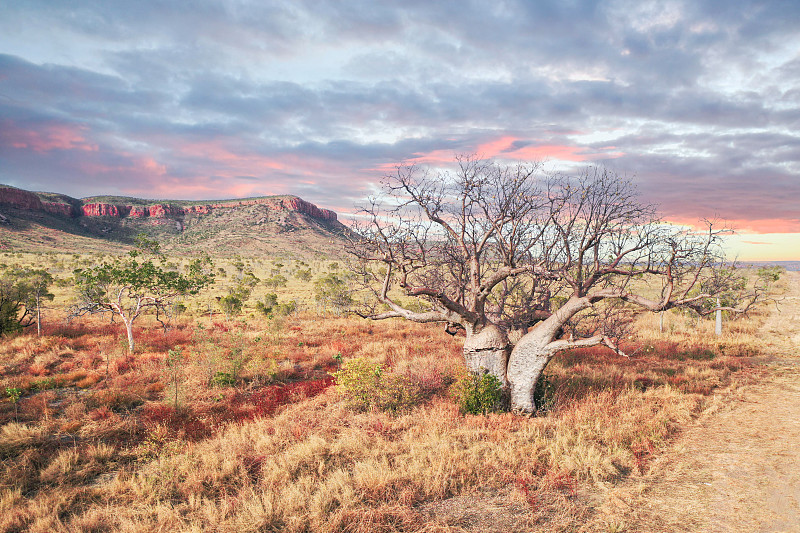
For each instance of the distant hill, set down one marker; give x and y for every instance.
(285, 226)
(788, 265)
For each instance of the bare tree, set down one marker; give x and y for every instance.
(451, 240)
(530, 264)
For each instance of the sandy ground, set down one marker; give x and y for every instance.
(737, 468)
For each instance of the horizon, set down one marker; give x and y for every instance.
(730, 246)
(697, 102)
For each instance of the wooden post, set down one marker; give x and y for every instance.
(718, 327)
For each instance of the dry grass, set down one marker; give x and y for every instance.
(260, 441)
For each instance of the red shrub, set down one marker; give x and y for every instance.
(267, 400)
(184, 423)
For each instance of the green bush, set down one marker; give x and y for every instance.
(304, 275)
(276, 281)
(478, 394)
(223, 379)
(334, 293)
(271, 306)
(367, 384)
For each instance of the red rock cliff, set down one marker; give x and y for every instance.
(20, 199)
(290, 204)
(164, 210)
(100, 210)
(307, 208)
(57, 208)
(199, 209)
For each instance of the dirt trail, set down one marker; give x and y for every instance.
(738, 467)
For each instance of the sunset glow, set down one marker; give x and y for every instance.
(320, 100)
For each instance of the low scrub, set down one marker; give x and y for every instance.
(478, 394)
(334, 424)
(366, 384)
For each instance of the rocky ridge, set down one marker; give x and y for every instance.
(27, 200)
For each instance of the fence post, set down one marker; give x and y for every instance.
(718, 327)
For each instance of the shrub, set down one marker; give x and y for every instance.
(223, 379)
(367, 384)
(333, 292)
(114, 399)
(276, 281)
(231, 304)
(271, 306)
(304, 275)
(478, 394)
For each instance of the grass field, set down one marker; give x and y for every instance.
(236, 424)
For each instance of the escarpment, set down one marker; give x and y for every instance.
(26, 200)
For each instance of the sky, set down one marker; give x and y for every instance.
(698, 101)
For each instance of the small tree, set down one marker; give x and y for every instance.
(332, 292)
(132, 285)
(276, 281)
(39, 281)
(21, 293)
(529, 264)
(233, 303)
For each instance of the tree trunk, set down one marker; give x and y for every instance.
(38, 317)
(526, 364)
(487, 349)
(533, 351)
(129, 328)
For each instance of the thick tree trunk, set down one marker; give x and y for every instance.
(486, 349)
(527, 362)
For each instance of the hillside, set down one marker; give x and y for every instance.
(285, 226)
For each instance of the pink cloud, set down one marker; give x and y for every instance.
(503, 148)
(755, 226)
(47, 137)
(217, 152)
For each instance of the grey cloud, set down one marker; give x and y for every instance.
(414, 78)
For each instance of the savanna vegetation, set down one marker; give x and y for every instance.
(286, 415)
(156, 392)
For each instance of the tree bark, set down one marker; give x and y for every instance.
(486, 350)
(129, 329)
(527, 362)
(534, 350)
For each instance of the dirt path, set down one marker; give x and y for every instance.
(738, 467)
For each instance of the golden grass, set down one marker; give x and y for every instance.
(95, 444)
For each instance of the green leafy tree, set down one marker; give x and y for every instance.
(304, 275)
(132, 285)
(39, 281)
(21, 293)
(271, 306)
(333, 292)
(276, 281)
(232, 303)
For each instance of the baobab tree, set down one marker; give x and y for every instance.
(529, 264)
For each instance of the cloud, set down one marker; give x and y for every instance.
(697, 100)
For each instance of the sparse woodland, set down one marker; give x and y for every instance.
(285, 413)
